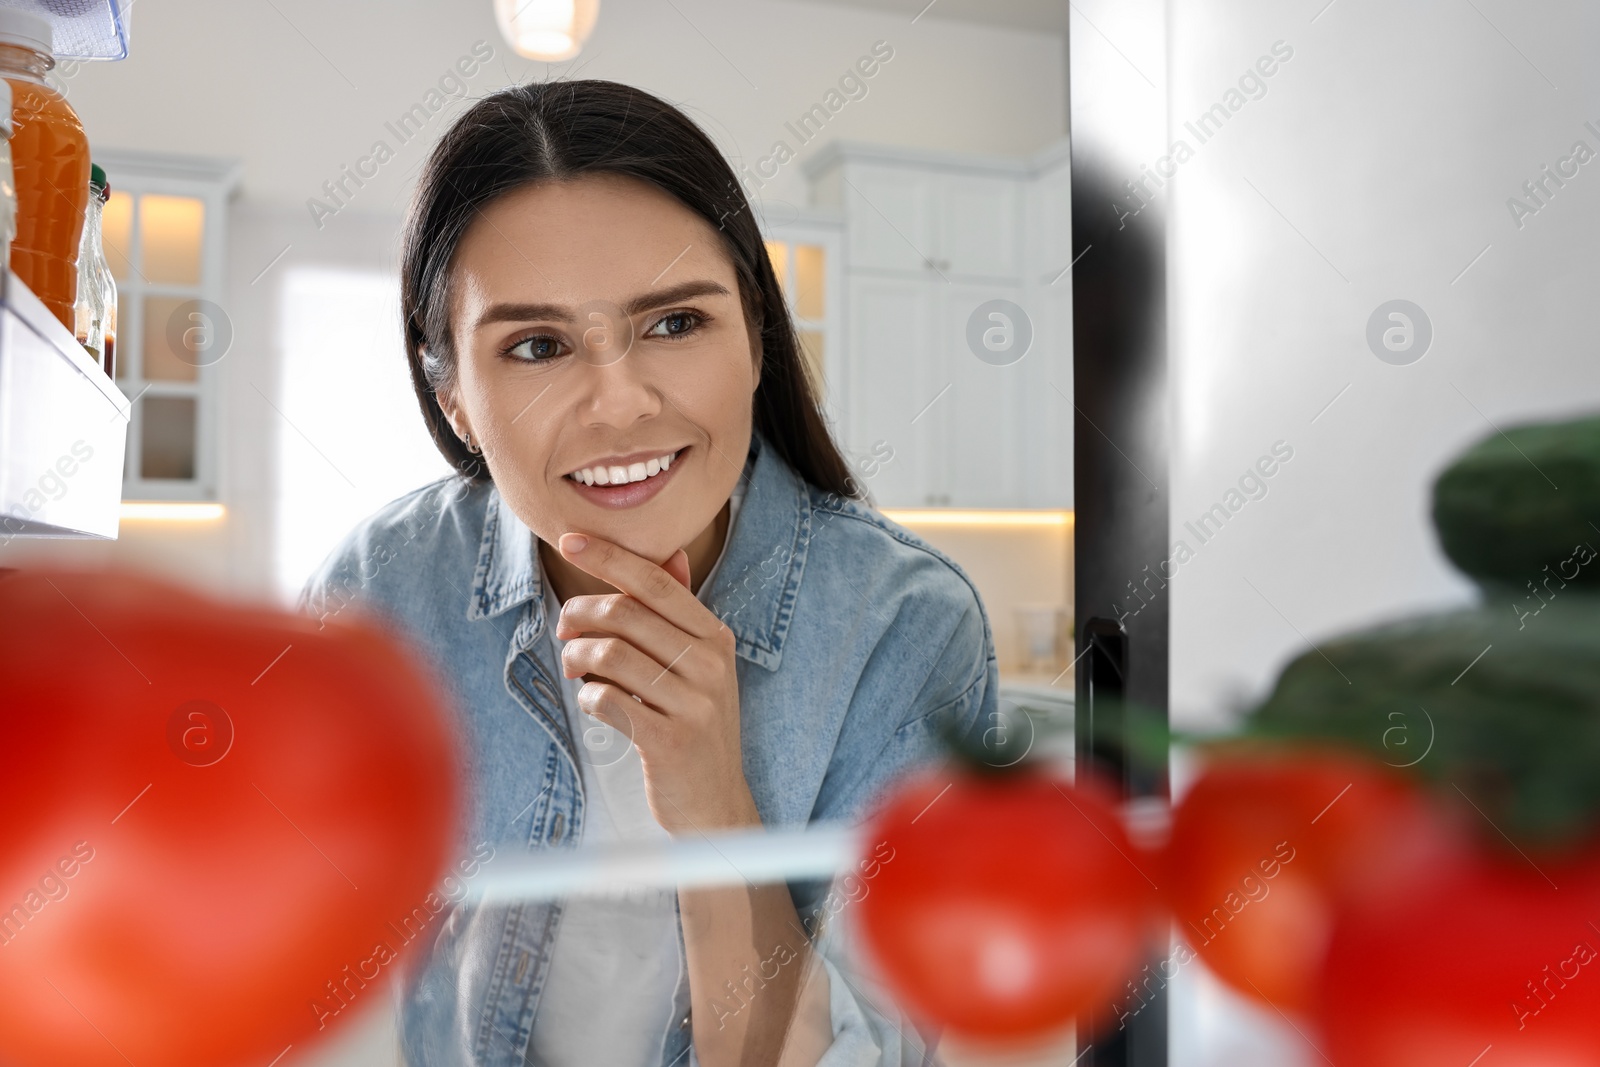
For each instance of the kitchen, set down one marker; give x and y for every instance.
(1245, 210)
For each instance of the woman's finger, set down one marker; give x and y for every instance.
(620, 615)
(619, 710)
(678, 566)
(630, 670)
(640, 578)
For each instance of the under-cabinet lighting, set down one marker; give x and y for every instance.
(167, 511)
(979, 517)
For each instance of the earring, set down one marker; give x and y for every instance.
(467, 437)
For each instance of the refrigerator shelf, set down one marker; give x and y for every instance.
(83, 29)
(63, 427)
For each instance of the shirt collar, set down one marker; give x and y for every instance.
(753, 590)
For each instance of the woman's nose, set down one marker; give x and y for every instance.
(617, 391)
(605, 333)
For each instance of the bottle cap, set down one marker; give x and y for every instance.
(26, 29)
(97, 177)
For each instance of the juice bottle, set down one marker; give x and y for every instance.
(50, 157)
(91, 310)
(109, 287)
(104, 279)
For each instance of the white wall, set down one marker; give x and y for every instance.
(300, 94)
(1390, 142)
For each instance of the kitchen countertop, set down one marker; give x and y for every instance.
(1061, 685)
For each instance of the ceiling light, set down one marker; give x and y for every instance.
(546, 30)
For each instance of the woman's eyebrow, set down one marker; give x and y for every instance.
(673, 294)
(522, 313)
(561, 313)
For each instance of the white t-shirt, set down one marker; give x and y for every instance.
(615, 961)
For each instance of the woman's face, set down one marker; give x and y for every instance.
(598, 328)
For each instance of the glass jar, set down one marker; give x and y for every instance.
(50, 158)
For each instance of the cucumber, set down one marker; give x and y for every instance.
(1514, 507)
(1499, 708)
(1498, 704)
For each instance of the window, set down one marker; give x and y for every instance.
(164, 232)
(803, 254)
(350, 438)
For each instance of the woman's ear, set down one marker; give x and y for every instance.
(757, 357)
(446, 398)
(452, 413)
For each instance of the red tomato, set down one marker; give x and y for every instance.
(1265, 845)
(1485, 952)
(218, 822)
(1008, 905)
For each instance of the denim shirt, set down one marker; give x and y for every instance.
(854, 640)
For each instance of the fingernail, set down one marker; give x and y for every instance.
(573, 543)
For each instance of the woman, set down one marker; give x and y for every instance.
(652, 527)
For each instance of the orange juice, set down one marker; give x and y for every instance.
(50, 154)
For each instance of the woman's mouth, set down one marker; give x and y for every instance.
(625, 485)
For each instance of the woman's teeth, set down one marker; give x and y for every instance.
(619, 475)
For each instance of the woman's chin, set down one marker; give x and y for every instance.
(646, 543)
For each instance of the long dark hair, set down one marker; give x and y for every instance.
(560, 130)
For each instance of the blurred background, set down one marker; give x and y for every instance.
(1381, 160)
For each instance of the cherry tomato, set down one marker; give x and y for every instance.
(222, 824)
(1483, 952)
(1265, 845)
(1009, 904)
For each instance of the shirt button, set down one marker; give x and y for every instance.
(557, 826)
(684, 1023)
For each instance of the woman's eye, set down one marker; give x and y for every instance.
(536, 348)
(676, 324)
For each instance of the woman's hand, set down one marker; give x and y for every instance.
(655, 641)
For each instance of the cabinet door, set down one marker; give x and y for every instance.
(892, 217)
(1048, 228)
(980, 226)
(1047, 370)
(981, 423)
(893, 367)
(1044, 383)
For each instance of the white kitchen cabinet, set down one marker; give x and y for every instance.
(982, 442)
(929, 239)
(887, 397)
(166, 242)
(980, 226)
(807, 254)
(1048, 234)
(908, 217)
(964, 433)
(892, 219)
